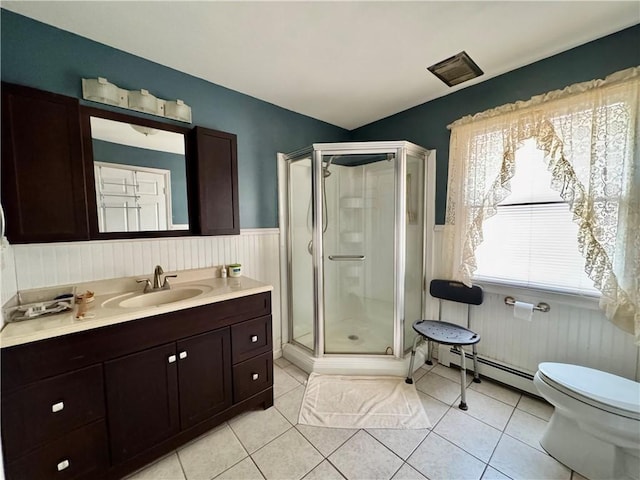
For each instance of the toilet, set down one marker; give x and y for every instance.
(595, 427)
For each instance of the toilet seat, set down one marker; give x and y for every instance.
(602, 390)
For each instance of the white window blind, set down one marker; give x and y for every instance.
(532, 240)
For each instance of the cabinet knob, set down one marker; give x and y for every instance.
(56, 407)
(63, 465)
(254, 338)
(172, 358)
(183, 355)
(254, 376)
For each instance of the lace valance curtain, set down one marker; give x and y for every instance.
(589, 133)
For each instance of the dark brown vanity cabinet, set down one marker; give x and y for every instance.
(43, 187)
(152, 395)
(105, 402)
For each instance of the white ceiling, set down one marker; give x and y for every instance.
(347, 63)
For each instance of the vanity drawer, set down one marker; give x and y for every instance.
(252, 376)
(250, 338)
(82, 453)
(47, 409)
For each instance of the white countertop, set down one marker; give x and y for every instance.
(217, 290)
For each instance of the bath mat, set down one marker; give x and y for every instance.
(344, 401)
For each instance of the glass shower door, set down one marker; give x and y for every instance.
(358, 253)
(301, 263)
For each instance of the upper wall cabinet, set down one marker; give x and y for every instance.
(71, 172)
(43, 186)
(216, 174)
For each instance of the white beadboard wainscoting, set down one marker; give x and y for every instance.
(574, 331)
(42, 265)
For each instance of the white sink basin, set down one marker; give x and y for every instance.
(154, 299)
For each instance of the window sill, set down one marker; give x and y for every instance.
(535, 295)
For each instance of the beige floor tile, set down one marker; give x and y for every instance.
(283, 382)
(473, 436)
(439, 459)
(400, 442)
(497, 391)
(492, 474)
(489, 410)
(363, 457)
(211, 454)
(324, 471)
(289, 404)
(519, 460)
(435, 408)
(297, 373)
(439, 387)
(281, 362)
(527, 428)
(259, 427)
(577, 476)
(290, 456)
(245, 470)
(407, 472)
(452, 374)
(326, 440)
(168, 468)
(536, 407)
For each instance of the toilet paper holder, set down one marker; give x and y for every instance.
(541, 307)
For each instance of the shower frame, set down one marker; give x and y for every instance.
(316, 153)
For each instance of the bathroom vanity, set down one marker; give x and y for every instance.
(101, 398)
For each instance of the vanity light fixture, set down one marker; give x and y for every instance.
(143, 101)
(102, 91)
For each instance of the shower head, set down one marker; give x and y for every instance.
(325, 169)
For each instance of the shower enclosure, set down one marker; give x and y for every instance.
(358, 221)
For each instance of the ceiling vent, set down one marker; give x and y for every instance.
(456, 69)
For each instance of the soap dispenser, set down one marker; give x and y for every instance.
(223, 272)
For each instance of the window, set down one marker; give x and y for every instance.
(532, 240)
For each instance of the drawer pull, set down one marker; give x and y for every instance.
(254, 338)
(172, 358)
(56, 407)
(63, 465)
(254, 376)
(183, 355)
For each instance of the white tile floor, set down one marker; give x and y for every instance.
(497, 438)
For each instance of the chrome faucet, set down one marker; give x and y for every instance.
(157, 284)
(156, 277)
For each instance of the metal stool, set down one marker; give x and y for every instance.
(449, 333)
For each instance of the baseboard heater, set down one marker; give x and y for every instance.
(500, 372)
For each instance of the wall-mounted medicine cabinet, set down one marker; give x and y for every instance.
(72, 172)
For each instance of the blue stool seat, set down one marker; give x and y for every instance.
(445, 332)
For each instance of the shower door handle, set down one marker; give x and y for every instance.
(347, 258)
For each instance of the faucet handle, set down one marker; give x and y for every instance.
(147, 283)
(165, 283)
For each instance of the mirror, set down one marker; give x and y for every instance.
(139, 171)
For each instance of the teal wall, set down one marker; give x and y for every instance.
(426, 124)
(44, 57)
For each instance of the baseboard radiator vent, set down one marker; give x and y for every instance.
(507, 374)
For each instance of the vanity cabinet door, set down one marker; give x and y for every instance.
(204, 375)
(43, 190)
(216, 178)
(142, 400)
